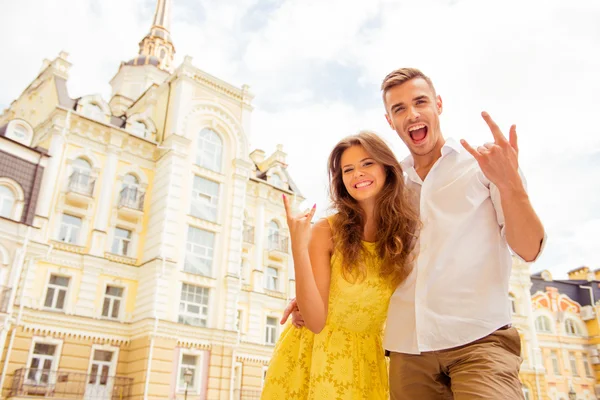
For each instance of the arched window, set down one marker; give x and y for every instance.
(131, 195)
(543, 324)
(276, 241)
(82, 166)
(81, 179)
(131, 181)
(210, 150)
(572, 328)
(7, 202)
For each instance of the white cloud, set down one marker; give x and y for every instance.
(315, 67)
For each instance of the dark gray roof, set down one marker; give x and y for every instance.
(144, 60)
(291, 184)
(568, 287)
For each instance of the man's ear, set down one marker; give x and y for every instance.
(438, 103)
(389, 120)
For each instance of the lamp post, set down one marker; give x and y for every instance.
(187, 378)
(572, 394)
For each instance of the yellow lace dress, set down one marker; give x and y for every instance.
(346, 359)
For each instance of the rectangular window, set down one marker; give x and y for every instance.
(555, 364)
(193, 308)
(100, 371)
(586, 366)
(573, 361)
(188, 363)
(112, 302)
(199, 251)
(42, 364)
(272, 278)
(57, 292)
(271, 330)
(121, 242)
(70, 228)
(205, 199)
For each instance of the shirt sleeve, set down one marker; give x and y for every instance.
(495, 196)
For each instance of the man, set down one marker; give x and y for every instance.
(448, 329)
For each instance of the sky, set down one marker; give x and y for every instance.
(315, 67)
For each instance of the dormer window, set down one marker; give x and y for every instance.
(94, 111)
(277, 181)
(139, 128)
(20, 131)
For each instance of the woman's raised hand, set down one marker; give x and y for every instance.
(299, 225)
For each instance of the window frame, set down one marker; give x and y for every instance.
(206, 135)
(202, 200)
(270, 331)
(56, 358)
(55, 295)
(201, 307)
(112, 299)
(209, 249)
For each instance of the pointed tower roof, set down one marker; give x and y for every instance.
(157, 46)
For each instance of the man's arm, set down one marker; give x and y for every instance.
(500, 164)
(523, 229)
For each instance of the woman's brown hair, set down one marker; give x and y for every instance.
(395, 216)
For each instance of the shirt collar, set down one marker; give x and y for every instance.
(449, 146)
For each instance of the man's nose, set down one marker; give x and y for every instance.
(413, 114)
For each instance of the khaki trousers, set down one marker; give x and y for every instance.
(485, 369)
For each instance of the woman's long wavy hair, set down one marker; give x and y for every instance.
(395, 216)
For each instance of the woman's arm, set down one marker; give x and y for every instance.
(313, 275)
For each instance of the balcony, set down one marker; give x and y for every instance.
(69, 385)
(80, 188)
(277, 246)
(5, 292)
(131, 203)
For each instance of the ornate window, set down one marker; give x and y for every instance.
(543, 324)
(209, 150)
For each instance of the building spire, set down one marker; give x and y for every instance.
(157, 47)
(162, 16)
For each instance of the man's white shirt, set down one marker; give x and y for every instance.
(457, 291)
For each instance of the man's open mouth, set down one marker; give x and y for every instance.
(418, 133)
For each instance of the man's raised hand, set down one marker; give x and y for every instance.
(499, 161)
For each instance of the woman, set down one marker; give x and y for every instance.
(347, 267)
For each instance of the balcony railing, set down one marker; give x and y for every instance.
(248, 234)
(4, 298)
(277, 242)
(69, 385)
(246, 394)
(132, 197)
(82, 183)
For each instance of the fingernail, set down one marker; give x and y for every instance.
(283, 195)
(315, 205)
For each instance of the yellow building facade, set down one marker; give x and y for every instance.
(143, 244)
(158, 242)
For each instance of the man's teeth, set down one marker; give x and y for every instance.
(363, 184)
(415, 127)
